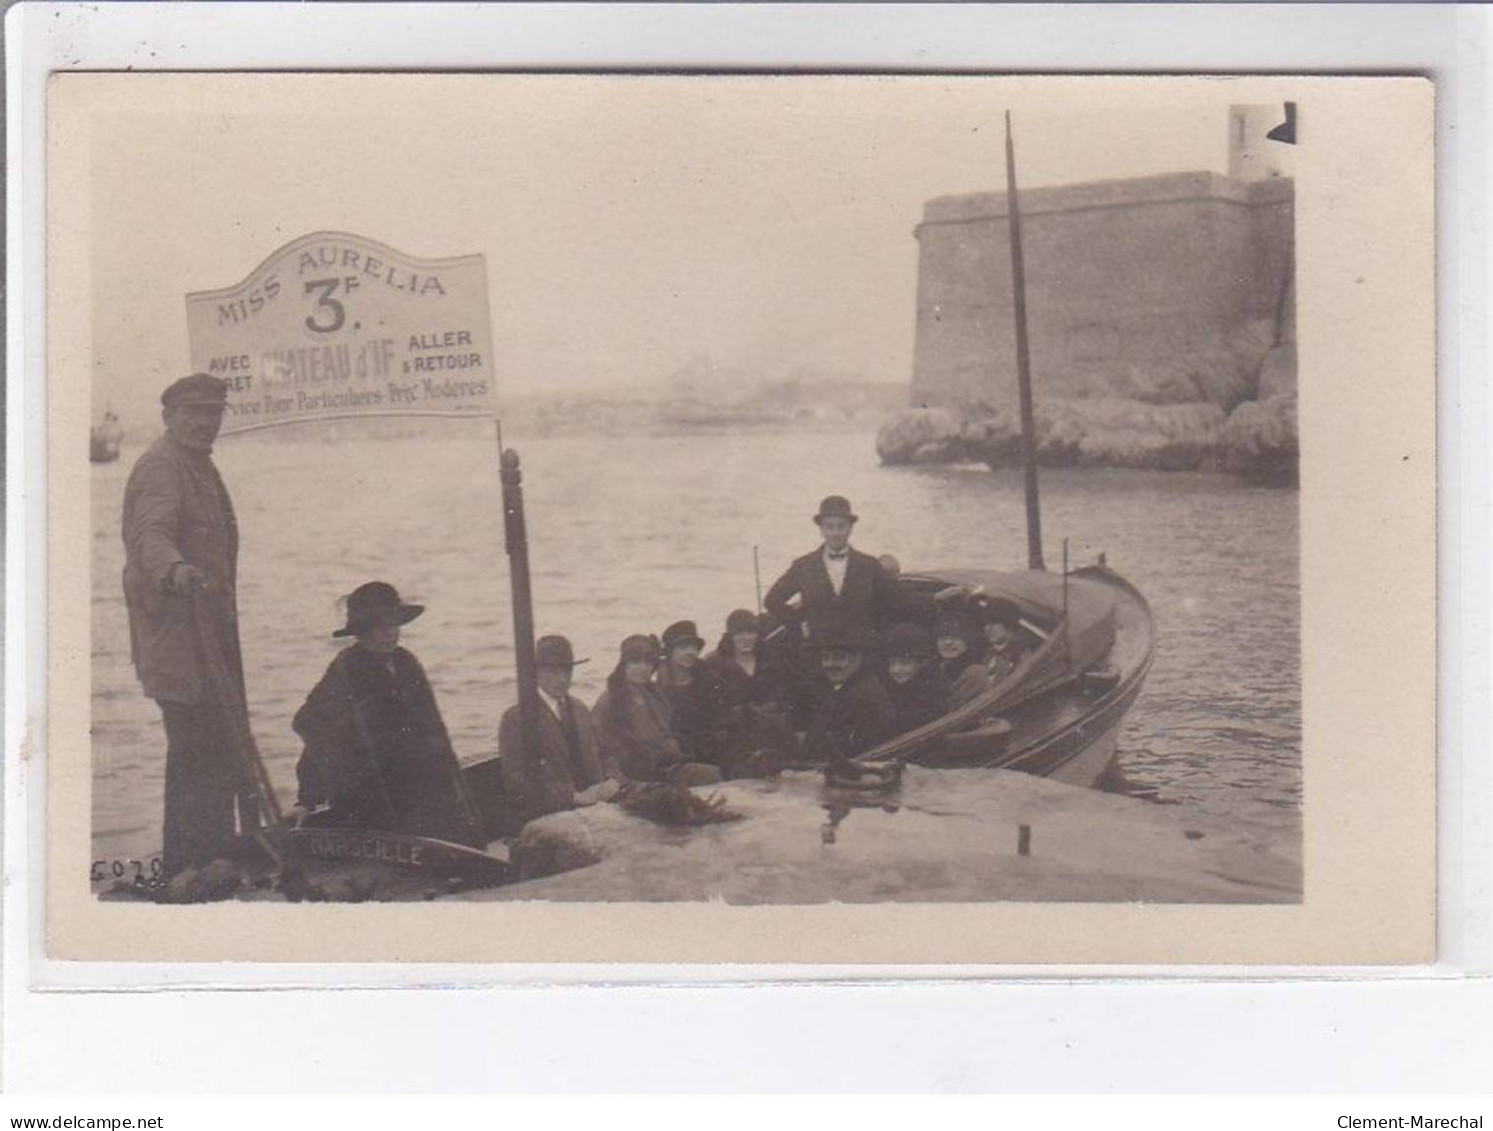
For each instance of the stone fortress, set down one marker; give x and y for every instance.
(1161, 314)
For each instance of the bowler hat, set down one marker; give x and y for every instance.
(742, 620)
(681, 632)
(199, 388)
(840, 632)
(374, 603)
(640, 648)
(554, 652)
(911, 640)
(835, 506)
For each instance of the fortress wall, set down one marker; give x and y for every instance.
(1121, 275)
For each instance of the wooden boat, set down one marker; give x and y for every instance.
(1058, 714)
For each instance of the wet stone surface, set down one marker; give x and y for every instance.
(944, 835)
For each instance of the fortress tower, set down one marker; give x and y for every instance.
(1125, 278)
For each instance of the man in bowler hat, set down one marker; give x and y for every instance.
(855, 712)
(567, 770)
(181, 559)
(836, 580)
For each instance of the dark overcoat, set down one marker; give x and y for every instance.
(377, 750)
(870, 595)
(851, 719)
(697, 712)
(641, 745)
(176, 509)
(546, 780)
(921, 699)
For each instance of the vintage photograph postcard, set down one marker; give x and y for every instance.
(787, 519)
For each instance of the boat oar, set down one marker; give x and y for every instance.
(226, 689)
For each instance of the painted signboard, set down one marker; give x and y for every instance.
(334, 325)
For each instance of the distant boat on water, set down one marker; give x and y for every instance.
(104, 438)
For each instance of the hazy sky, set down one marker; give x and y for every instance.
(627, 223)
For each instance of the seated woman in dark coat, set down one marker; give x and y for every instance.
(752, 684)
(693, 693)
(376, 749)
(962, 649)
(633, 721)
(917, 685)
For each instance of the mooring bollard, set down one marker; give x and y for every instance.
(1023, 840)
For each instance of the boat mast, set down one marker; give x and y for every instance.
(516, 541)
(1023, 362)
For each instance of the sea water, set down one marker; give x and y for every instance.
(630, 533)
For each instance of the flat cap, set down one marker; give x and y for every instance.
(199, 388)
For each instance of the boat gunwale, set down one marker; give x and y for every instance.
(1128, 689)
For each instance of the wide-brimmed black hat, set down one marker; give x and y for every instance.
(681, 632)
(199, 388)
(376, 603)
(840, 632)
(835, 506)
(555, 652)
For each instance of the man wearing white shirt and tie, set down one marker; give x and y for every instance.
(568, 769)
(838, 581)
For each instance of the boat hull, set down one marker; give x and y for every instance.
(1057, 722)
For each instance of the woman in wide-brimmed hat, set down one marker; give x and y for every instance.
(634, 719)
(377, 752)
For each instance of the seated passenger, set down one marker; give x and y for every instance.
(1002, 630)
(961, 651)
(377, 751)
(567, 770)
(753, 700)
(745, 673)
(633, 717)
(693, 694)
(855, 712)
(914, 680)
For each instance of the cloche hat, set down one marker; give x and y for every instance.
(681, 632)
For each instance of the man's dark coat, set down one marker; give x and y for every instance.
(870, 595)
(851, 719)
(546, 780)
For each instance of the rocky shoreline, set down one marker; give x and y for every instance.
(1233, 412)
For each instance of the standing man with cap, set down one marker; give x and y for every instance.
(181, 560)
(837, 581)
(567, 770)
